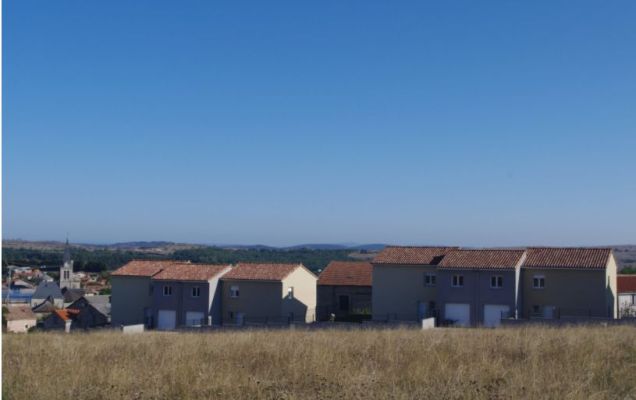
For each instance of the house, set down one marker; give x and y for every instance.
(268, 293)
(48, 290)
(132, 291)
(569, 282)
(19, 318)
(89, 314)
(478, 287)
(44, 308)
(404, 282)
(187, 295)
(344, 289)
(71, 295)
(101, 302)
(60, 319)
(627, 295)
(94, 288)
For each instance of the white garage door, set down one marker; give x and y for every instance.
(459, 313)
(167, 320)
(194, 318)
(493, 314)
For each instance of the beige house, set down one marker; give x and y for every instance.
(404, 282)
(569, 282)
(268, 294)
(132, 291)
(19, 318)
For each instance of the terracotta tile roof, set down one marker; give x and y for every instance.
(411, 255)
(260, 272)
(19, 312)
(190, 272)
(347, 273)
(567, 257)
(626, 283)
(481, 259)
(145, 267)
(67, 313)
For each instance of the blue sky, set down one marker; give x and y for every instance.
(464, 123)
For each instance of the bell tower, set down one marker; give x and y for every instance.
(66, 270)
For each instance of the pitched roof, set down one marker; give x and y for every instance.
(19, 312)
(260, 272)
(626, 283)
(70, 295)
(48, 289)
(411, 255)
(100, 306)
(190, 272)
(347, 273)
(44, 307)
(66, 314)
(145, 267)
(567, 257)
(481, 259)
(98, 299)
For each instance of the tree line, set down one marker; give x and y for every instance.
(108, 260)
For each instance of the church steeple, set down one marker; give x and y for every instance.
(66, 270)
(67, 252)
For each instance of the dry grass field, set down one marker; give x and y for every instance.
(567, 363)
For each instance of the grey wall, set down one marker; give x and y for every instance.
(575, 292)
(181, 299)
(476, 291)
(257, 300)
(398, 290)
(130, 295)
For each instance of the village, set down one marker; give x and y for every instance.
(423, 287)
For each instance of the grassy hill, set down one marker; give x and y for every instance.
(568, 363)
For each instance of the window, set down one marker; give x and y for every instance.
(429, 279)
(196, 291)
(458, 281)
(496, 282)
(66, 274)
(234, 291)
(536, 309)
(167, 290)
(151, 289)
(538, 282)
(290, 293)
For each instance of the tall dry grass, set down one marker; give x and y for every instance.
(566, 363)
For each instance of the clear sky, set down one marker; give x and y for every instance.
(469, 123)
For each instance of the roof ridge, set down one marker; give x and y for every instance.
(488, 249)
(422, 247)
(571, 247)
